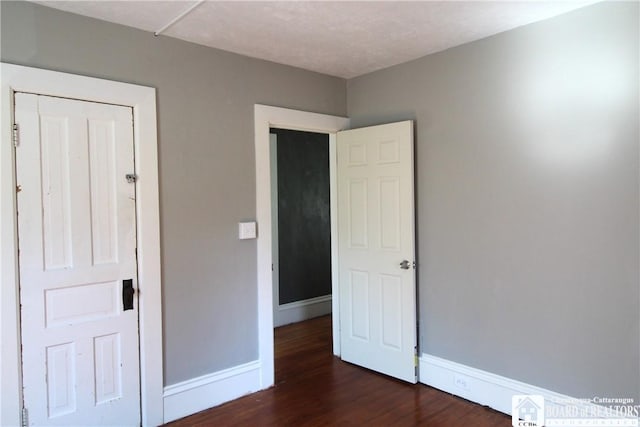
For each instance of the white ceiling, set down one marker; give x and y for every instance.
(341, 38)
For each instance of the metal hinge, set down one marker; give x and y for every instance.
(25, 417)
(131, 178)
(16, 135)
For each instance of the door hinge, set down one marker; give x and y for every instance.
(16, 135)
(131, 178)
(25, 417)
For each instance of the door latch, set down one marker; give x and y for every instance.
(127, 294)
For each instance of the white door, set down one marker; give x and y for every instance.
(77, 243)
(376, 249)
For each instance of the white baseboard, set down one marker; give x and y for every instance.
(207, 391)
(473, 384)
(302, 310)
(497, 391)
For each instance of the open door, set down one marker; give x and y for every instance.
(376, 249)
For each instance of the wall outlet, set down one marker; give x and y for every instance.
(462, 381)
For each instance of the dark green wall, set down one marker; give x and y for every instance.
(304, 215)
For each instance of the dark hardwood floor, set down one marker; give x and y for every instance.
(314, 388)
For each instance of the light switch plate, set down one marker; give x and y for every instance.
(247, 230)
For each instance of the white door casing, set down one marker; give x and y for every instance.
(376, 234)
(266, 117)
(77, 240)
(15, 78)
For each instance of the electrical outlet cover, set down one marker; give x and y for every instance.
(462, 381)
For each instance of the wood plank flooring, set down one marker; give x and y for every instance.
(314, 388)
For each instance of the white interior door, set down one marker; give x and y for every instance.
(77, 241)
(376, 249)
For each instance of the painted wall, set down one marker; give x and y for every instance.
(304, 215)
(527, 198)
(527, 185)
(206, 149)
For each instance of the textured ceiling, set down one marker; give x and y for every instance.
(344, 39)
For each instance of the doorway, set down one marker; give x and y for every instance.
(265, 118)
(379, 298)
(301, 225)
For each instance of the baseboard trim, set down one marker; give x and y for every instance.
(298, 311)
(495, 391)
(207, 391)
(304, 303)
(474, 384)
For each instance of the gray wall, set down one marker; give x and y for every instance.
(527, 198)
(206, 148)
(527, 185)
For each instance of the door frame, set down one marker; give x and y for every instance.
(266, 117)
(142, 99)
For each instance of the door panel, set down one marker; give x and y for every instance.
(376, 233)
(102, 179)
(68, 306)
(358, 224)
(77, 240)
